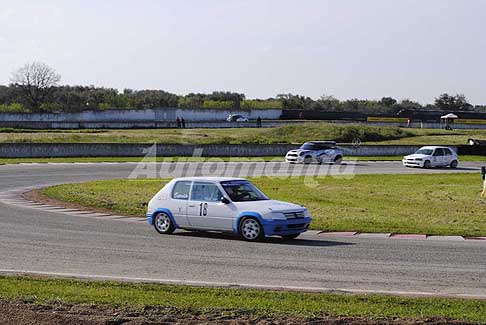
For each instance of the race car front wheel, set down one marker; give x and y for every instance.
(163, 224)
(251, 229)
(307, 159)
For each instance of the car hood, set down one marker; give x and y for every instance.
(415, 156)
(298, 151)
(267, 206)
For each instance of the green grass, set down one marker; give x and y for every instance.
(137, 159)
(4, 161)
(343, 133)
(254, 302)
(436, 137)
(283, 134)
(434, 204)
(468, 158)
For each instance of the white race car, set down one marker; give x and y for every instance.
(432, 156)
(237, 118)
(316, 152)
(225, 205)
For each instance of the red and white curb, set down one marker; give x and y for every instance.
(398, 236)
(15, 198)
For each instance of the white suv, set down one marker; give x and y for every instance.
(315, 152)
(225, 205)
(432, 156)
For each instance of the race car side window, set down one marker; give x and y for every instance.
(208, 192)
(181, 190)
(438, 152)
(448, 152)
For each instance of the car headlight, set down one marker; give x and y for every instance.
(301, 154)
(307, 213)
(275, 216)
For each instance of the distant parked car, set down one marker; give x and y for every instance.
(237, 118)
(316, 152)
(432, 156)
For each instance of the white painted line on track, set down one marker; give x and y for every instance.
(446, 238)
(62, 210)
(239, 285)
(373, 235)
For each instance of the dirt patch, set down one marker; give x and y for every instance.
(38, 197)
(27, 313)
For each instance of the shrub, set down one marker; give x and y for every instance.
(260, 104)
(12, 108)
(326, 131)
(218, 104)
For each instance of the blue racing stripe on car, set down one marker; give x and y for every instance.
(236, 224)
(150, 218)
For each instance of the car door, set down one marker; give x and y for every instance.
(178, 202)
(448, 157)
(321, 154)
(205, 209)
(438, 157)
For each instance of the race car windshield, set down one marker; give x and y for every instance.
(241, 191)
(308, 146)
(427, 152)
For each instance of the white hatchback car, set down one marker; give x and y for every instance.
(432, 156)
(225, 205)
(316, 152)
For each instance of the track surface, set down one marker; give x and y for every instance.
(47, 242)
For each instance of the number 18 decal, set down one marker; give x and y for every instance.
(203, 209)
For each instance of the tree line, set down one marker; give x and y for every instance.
(35, 88)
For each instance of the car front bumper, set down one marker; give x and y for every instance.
(280, 227)
(150, 218)
(413, 163)
(294, 159)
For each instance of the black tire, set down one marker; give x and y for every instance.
(338, 160)
(163, 224)
(251, 229)
(307, 159)
(454, 164)
(290, 237)
(427, 164)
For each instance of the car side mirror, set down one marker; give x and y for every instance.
(225, 200)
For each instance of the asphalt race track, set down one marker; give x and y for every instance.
(43, 242)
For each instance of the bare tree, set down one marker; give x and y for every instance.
(36, 81)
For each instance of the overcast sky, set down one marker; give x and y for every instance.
(413, 49)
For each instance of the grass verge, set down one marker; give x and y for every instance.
(136, 159)
(5, 161)
(434, 204)
(285, 134)
(257, 302)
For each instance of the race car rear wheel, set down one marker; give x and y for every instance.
(454, 164)
(163, 224)
(251, 229)
(338, 159)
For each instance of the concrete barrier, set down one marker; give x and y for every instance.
(45, 150)
(139, 124)
(128, 117)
